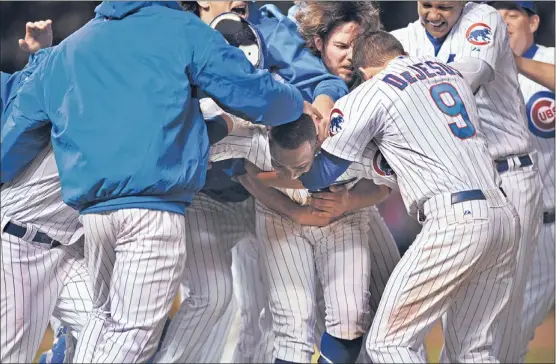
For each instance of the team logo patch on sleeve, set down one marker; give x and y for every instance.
(479, 34)
(336, 121)
(381, 166)
(540, 114)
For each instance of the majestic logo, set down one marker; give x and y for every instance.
(336, 121)
(540, 113)
(381, 166)
(479, 34)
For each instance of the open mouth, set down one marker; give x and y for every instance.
(437, 26)
(240, 10)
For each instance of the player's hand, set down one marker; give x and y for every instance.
(306, 215)
(38, 35)
(324, 104)
(334, 203)
(320, 123)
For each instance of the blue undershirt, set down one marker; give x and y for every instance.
(325, 170)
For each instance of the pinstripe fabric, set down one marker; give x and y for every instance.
(251, 294)
(36, 283)
(338, 255)
(539, 291)
(461, 265)
(213, 228)
(135, 258)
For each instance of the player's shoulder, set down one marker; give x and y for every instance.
(479, 15)
(544, 54)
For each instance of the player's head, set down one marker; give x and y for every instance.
(522, 21)
(293, 147)
(208, 10)
(329, 28)
(438, 17)
(373, 50)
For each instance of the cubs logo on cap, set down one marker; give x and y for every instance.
(479, 34)
(381, 166)
(336, 121)
(540, 114)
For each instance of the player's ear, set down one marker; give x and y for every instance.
(534, 23)
(318, 43)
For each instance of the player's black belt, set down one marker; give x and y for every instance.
(470, 195)
(462, 196)
(548, 217)
(20, 231)
(502, 165)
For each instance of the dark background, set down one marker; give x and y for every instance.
(68, 16)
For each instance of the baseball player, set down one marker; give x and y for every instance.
(461, 263)
(522, 21)
(132, 192)
(222, 216)
(43, 272)
(474, 39)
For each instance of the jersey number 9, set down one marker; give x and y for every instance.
(453, 107)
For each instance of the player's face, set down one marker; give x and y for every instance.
(292, 163)
(521, 29)
(438, 17)
(211, 9)
(337, 49)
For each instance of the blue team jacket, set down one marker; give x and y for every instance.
(116, 97)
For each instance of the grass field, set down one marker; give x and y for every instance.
(541, 348)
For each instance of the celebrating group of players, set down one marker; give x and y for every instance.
(236, 154)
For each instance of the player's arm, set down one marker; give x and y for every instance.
(277, 201)
(539, 72)
(27, 128)
(226, 75)
(479, 61)
(38, 37)
(359, 122)
(341, 200)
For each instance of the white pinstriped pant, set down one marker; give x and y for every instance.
(539, 292)
(213, 229)
(135, 260)
(339, 255)
(384, 257)
(36, 283)
(461, 265)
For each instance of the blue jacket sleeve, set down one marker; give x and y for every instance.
(325, 170)
(27, 128)
(224, 74)
(12, 82)
(288, 56)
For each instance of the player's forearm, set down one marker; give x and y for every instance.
(475, 71)
(540, 72)
(272, 178)
(269, 197)
(365, 193)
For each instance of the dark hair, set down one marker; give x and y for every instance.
(319, 18)
(375, 48)
(510, 5)
(191, 6)
(292, 135)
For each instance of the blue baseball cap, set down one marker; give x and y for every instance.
(528, 5)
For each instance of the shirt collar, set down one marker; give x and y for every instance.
(530, 53)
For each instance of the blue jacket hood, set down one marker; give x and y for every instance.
(121, 9)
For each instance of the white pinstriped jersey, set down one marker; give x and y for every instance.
(423, 117)
(481, 33)
(539, 104)
(251, 142)
(35, 198)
